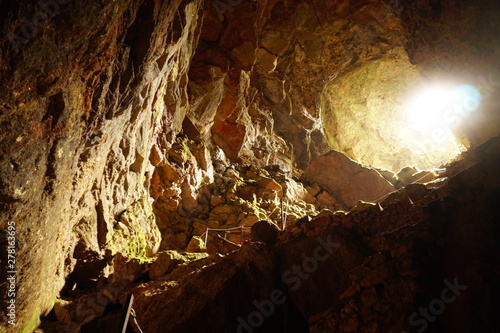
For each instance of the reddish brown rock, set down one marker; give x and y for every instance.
(210, 299)
(90, 88)
(269, 184)
(164, 263)
(346, 180)
(265, 232)
(218, 244)
(196, 244)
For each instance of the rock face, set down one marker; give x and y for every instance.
(265, 232)
(403, 268)
(364, 115)
(212, 298)
(337, 75)
(346, 180)
(127, 127)
(371, 270)
(86, 93)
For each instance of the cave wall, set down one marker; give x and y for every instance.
(336, 75)
(108, 108)
(83, 100)
(424, 259)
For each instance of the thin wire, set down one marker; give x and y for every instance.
(132, 313)
(226, 230)
(401, 189)
(284, 211)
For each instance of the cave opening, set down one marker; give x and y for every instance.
(386, 115)
(249, 165)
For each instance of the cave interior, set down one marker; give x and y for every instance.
(250, 166)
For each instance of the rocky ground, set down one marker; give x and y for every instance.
(129, 127)
(431, 246)
(193, 191)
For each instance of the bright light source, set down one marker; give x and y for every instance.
(430, 107)
(433, 112)
(439, 107)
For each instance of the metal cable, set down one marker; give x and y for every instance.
(226, 230)
(132, 313)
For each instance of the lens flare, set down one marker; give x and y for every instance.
(434, 112)
(440, 107)
(469, 96)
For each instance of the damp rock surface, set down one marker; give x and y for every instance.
(128, 128)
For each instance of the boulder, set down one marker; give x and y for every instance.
(127, 270)
(196, 244)
(346, 180)
(218, 244)
(165, 263)
(363, 205)
(269, 184)
(265, 232)
(211, 298)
